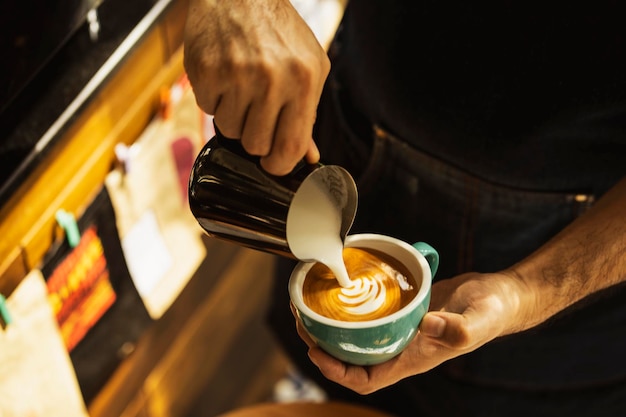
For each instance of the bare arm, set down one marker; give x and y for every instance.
(256, 66)
(587, 256)
(472, 309)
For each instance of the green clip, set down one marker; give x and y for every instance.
(5, 316)
(68, 222)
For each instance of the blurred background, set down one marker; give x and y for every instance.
(147, 315)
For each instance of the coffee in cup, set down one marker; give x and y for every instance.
(381, 286)
(390, 295)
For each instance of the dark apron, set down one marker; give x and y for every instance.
(574, 364)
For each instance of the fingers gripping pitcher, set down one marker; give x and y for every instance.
(295, 216)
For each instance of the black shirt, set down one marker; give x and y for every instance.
(526, 94)
(521, 94)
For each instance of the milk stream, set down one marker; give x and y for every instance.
(313, 233)
(314, 227)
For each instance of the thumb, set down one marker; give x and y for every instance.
(452, 330)
(463, 332)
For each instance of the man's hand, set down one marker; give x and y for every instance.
(259, 70)
(472, 309)
(466, 312)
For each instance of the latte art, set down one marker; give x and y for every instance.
(380, 287)
(365, 296)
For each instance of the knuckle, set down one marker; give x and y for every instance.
(256, 147)
(229, 130)
(275, 168)
(460, 337)
(292, 149)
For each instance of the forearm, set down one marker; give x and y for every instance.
(587, 256)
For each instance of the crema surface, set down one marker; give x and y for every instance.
(381, 286)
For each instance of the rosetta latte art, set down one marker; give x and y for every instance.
(381, 286)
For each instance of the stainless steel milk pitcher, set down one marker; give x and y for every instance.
(234, 199)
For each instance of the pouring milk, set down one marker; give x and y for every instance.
(314, 235)
(313, 229)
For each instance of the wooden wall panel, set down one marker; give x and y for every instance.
(75, 167)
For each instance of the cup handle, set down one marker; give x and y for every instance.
(431, 255)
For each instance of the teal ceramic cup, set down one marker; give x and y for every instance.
(374, 341)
